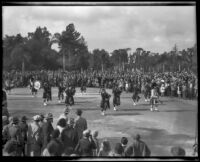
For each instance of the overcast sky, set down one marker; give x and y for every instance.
(153, 28)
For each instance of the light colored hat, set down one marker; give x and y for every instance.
(4, 119)
(36, 118)
(66, 110)
(95, 133)
(86, 133)
(49, 116)
(71, 121)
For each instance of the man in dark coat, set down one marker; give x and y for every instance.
(69, 136)
(47, 130)
(85, 145)
(116, 98)
(14, 132)
(4, 104)
(24, 130)
(80, 123)
(138, 148)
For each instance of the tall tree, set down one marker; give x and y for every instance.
(68, 41)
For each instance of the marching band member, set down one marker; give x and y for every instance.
(116, 98)
(61, 90)
(69, 100)
(83, 87)
(46, 93)
(147, 91)
(104, 101)
(154, 99)
(135, 96)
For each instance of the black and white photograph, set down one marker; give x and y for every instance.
(100, 80)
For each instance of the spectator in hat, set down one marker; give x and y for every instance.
(61, 125)
(24, 130)
(105, 149)
(5, 136)
(96, 141)
(4, 121)
(10, 119)
(118, 151)
(54, 147)
(10, 148)
(14, 132)
(177, 151)
(80, 123)
(47, 130)
(35, 136)
(69, 136)
(138, 148)
(41, 121)
(85, 145)
(65, 114)
(124, 142)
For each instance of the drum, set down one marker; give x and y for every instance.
(37, 85)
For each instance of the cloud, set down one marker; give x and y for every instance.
(154, 28)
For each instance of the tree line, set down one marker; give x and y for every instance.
(34, 52)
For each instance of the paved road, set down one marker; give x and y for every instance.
(174, 124)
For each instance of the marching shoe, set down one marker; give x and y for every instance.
(156, 109)
(145, 100)
(151, 109)
(45, 104)
(114, 108)
(134, 103)
(59, 101)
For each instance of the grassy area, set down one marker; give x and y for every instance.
(174, 125)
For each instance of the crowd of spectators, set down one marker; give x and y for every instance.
(175, 84)
(70, 137)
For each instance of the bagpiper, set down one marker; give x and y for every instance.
(154, 99)
(105, 101)
(135, 96)
(83, 87)
(69, 100)
(61, 90)
(116, 98)
(47, 92)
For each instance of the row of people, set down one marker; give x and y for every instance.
(69, 138)
(181, 84)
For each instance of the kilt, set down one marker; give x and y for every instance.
(105, 104)
(47, 95)
(69, 100)
(33, 89)
(83, 88)
(153, 100)
(116, 100)
(135, 96)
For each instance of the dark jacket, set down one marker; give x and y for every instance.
(80, 126)
(47, 130)
(69, 137)
(138, 148)
(55, 147)
(85, 147)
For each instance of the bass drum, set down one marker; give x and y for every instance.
(37, 85)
